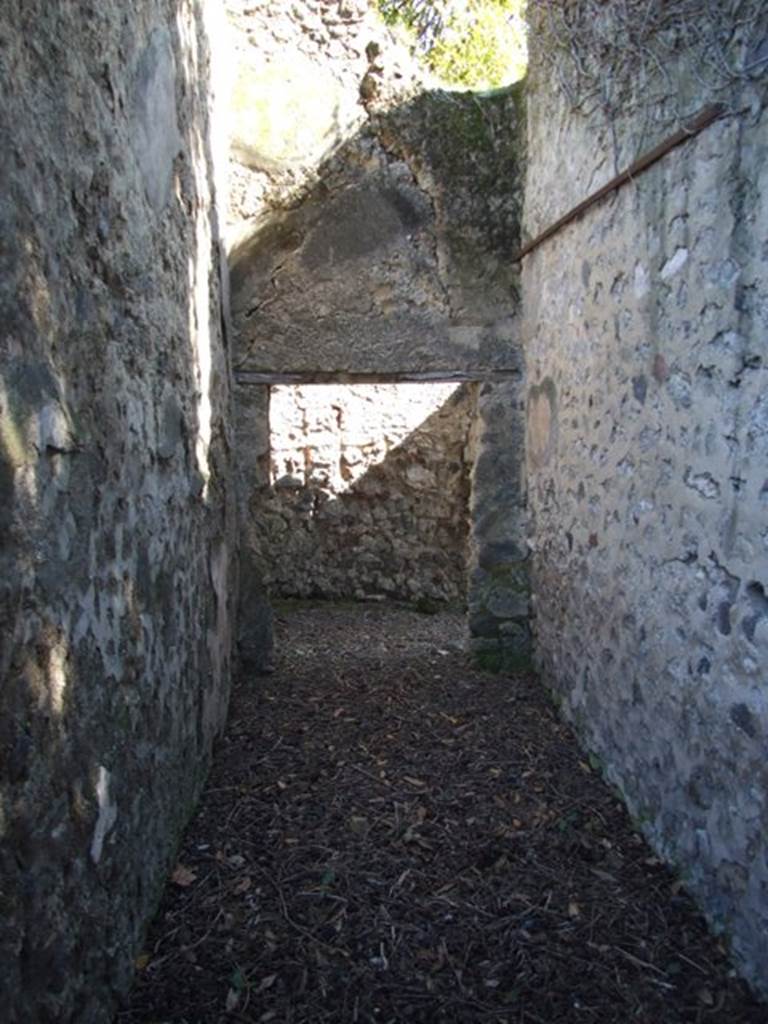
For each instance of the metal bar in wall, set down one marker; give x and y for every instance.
(704, 118)
(341, 377)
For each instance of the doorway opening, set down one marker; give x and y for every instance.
(369, 488)
(369, 491)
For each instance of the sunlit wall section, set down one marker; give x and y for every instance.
(369, 491)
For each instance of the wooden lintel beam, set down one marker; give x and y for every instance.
(346, 377)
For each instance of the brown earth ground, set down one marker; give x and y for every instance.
(390, 835)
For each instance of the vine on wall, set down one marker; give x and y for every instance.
(609, 54)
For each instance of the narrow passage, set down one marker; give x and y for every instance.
(389, 834)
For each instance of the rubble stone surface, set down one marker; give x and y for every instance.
(389, 254)
(369, 494)
(647, 437)
(116, 490)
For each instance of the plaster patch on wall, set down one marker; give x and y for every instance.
(156, 128)
(288, 114)
(542, 422)
(107, 813)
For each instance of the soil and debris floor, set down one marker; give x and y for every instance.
(391, 835)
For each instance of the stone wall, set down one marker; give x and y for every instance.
(647, 437)
(398, 259)
(296, 74)
(374, 237)
(369, 492)
(498, 557)
(116, 506)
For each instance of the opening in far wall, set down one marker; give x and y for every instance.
(369, 491)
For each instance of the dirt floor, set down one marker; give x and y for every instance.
(390, 835)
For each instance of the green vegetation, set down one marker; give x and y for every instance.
(427, 606)
(502, 661)
(477, 44)
(489, 661)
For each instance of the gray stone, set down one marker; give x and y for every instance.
(156, 130)
(369, 494)
(615, 476)
(116, 488)
(255, 620)
(645, 460)
(391, 265)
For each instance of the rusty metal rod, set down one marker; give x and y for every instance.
(704, 118)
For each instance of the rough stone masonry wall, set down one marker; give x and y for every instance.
(370, 491)
(116, 517)
(646, 328)
(374, 237)
(295, 76)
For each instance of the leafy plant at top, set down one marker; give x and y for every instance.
(424, 19)
(478, 44)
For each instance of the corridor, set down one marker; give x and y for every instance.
(389, 834)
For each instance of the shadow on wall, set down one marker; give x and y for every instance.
(115, 503)
(398, 259)
(366, 501)
(396, 262)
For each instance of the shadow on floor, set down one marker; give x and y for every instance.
(391, 835)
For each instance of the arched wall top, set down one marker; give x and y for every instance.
(398, 261)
